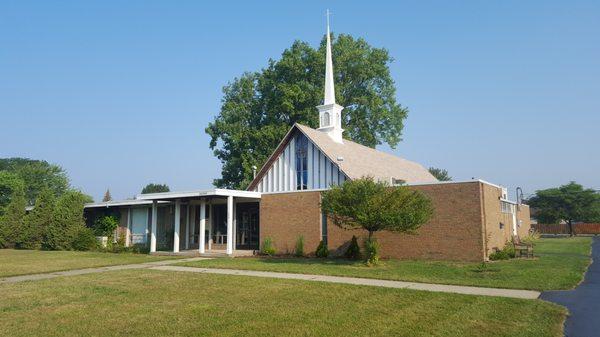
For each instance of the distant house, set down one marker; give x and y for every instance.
(471, 218)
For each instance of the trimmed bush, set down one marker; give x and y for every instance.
(267, 247)
(353, 251)
(322, 250)
(299, 251)
(372, 252)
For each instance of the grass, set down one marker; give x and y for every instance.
(23, 262)
(161, 303)
(561, 264)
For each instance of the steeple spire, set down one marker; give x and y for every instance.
(329, 84)
(330, 113)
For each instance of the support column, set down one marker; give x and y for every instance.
(128, 229)
(234, 225)
(230, 225)
(187, 226)
(202, 238)
(210, 226)
(177, 226)
(153, 227)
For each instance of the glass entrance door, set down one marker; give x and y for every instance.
(247, 232)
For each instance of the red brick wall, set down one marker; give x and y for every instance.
(454, 232)
(286, 216)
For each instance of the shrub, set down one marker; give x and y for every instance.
(531, 238)
(12, 221)
(299, 251)
(84, 239)
(322, 250)
(508, 252)
(509, 249)
(353, 251)
(67, 221)
(267, 247)
(372, 252)
(39, 219)
(106, 225)
(499, 255)
(140, 248)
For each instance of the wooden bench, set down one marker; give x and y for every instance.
(522, 249)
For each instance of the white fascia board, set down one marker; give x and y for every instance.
(118, 203)
(453, 182)
(198, 193)
(174, 195)
(237, 193)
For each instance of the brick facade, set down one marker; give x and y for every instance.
(524, 218)
(465, 225)
(286, 216)
(453, 233)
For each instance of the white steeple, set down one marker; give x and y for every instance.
(330, 113)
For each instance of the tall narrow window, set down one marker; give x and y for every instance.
(325, 119)
(301, 162)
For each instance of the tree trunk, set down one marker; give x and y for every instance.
(570, 223)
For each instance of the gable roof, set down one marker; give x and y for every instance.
(358, 160)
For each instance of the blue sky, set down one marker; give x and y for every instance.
(119, 93)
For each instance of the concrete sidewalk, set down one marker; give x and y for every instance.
(522, 294)
(43, 276)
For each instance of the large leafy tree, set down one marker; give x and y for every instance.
(570, 203)
(155, 188)
(9, 183)
(36, 175)
(375, 206)
(440, 174)
(258, 108)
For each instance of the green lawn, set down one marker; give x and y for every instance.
(22, 262)
(561, 264)
(161, 303)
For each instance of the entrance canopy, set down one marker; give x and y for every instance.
(228, 199)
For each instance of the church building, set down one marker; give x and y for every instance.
(471, 218)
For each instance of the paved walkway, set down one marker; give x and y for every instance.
(524, 294)
(43, 276)
(583, 302)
